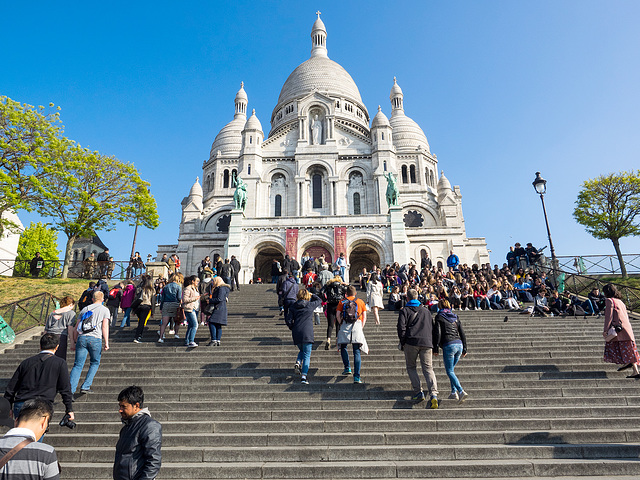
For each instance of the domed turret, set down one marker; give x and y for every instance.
(444, 186)
(407, 134)
(396, 97)
(229, 139)
(195, 195)
(253, 123)
(241, 101)
(380, 120)
(318, 38)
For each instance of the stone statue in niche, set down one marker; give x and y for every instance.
(355, 180)
(278, 182)
(316, 131)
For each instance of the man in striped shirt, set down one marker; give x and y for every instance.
(35, 460)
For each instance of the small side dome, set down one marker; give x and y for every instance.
(318, 25)
(253, 123)
(196, 189)
(444, 185)
(380, 120)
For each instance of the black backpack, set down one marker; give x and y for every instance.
(335, 293)
(86, 325)
(349, 311)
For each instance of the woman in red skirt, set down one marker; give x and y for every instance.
(621, 350)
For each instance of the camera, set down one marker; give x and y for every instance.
(67, 422)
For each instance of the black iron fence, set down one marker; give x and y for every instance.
(115, 270)
(599, 264)
(28, 312)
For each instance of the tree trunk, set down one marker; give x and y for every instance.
(67, 256)
(616, 245)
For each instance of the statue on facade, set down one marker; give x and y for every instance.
(316, 131)
(240, 195)
(392, 189)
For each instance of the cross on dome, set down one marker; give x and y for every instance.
(318, 13)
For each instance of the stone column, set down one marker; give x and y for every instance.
(398, 235)
(234, 240)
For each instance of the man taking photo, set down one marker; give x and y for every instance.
(41, 376)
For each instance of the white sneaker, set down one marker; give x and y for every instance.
(453, 396)
(171, 332)
(463, 396)
(160, 340)
(176, 336)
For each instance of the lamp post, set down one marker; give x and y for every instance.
(540, 186)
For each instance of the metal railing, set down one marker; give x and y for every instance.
(28, 312)
(116, 270)
(599, 264)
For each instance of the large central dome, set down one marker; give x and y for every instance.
(321, 74)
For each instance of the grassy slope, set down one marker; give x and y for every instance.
(15, 288)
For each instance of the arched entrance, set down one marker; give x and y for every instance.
(363, 255)
(264, 259)
(317, 248)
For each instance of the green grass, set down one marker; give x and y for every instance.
(16, 288)
(633, 282)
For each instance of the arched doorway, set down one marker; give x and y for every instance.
(315, 250)
(263, 260)
(363, 255)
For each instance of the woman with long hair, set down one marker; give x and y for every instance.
(170, 299)
(190, 305)
(333, 292)
(143, 312)
(300, 322)
(374, 297)
(622, 349)
(454, 346)
(218, 297)
(60, 321)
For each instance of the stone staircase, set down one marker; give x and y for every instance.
(542, 404)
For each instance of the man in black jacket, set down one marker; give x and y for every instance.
(41, 376)
(138, 451)
(236, 271)
(418, 337)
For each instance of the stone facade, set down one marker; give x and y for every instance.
(317, 182)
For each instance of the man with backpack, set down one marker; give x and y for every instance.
(113, 302)
(352, 316)
(91, 329)
(87, 296)
(418, 337)
(333, 292)
(287, 292)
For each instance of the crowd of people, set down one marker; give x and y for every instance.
(426, 300)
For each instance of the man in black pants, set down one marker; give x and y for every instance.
(41, 376)
(236, 270)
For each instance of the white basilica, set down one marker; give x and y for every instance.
(318, 182)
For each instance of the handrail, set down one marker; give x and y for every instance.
(598, 264)
(28, 312)
(116, 270)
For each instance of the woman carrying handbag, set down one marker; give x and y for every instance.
(620, 344)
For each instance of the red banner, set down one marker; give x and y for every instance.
(340, 241)
(291, 248)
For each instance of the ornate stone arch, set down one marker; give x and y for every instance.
(425, 209)
(216, 221)
(358, 245)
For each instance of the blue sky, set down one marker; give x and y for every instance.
(502, 89)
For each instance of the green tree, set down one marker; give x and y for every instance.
(608, 206)
(30, 139)
(89, 192)
(38, 237)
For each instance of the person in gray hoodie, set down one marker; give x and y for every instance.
(454, 346)
(59, 321)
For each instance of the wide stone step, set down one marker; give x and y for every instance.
(403, 453)
(378, 469)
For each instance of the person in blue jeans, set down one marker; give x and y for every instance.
(454, 346)
(92, 327)
(300, 322)
(351, 332)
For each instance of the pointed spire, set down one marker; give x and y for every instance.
(241, 102)
(396, 97)
(318, 38)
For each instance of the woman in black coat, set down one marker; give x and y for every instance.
(219, 293)
(300, 322)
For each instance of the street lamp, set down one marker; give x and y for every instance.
(540, 186)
